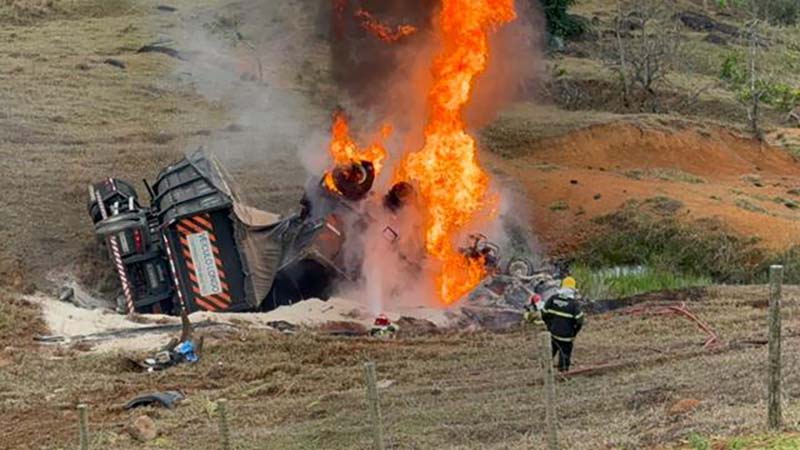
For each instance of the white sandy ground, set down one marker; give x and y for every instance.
(71, 322)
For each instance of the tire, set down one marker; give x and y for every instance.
(519, 266)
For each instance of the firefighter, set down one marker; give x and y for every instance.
(563, 316)
(531, 314)
(383, 327)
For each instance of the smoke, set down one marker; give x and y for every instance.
(249, 62)
(388, 82)
(280, 69)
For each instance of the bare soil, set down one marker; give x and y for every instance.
(710, 171)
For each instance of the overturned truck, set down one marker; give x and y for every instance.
(197, 247)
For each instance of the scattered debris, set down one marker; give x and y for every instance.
(412, 326)
(143, 429)
(492, 318)
(169, 51)
(66, 294)
(168, 399)
(177, 351)
(343, 328)
(115, 62)
(282, 326)
(122, 334)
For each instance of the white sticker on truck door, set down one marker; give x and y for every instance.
(205, 265)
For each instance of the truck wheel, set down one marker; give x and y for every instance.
(520, 267)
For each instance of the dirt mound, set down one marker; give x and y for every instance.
(696, 173)
(710, 152)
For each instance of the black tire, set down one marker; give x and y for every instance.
(124, 191)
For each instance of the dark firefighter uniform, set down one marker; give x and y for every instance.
(563, 316)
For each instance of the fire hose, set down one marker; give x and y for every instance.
(681, 310)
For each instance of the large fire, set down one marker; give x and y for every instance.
(344, 150)
(446, 171)
(451, 183)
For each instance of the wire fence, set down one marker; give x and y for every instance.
(744, 383)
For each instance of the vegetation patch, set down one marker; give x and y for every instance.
(679, 252)
(703, 248)
(664, 174)
(624, 282)
(547, 167)
(791, 204)
(755, 180)
(747, 205)
(663, 205)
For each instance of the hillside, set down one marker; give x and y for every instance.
(255, 82)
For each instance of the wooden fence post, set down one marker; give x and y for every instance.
(549, 391)
(224, 431)
(374, 406)
(774, 419)
(84, 427)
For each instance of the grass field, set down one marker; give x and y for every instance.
(456, 390)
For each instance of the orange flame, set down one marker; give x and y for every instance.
(344, 150)
(451, 183)
(382, 31)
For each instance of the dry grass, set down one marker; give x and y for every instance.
(70, 119)
(455, 391)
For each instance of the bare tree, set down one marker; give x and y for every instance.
(757, 80)
(647, 45)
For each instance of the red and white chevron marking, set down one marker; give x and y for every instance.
(123, 275)
(174, 272)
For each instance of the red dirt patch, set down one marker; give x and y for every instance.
(713, 173)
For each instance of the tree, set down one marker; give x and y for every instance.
(645, 52)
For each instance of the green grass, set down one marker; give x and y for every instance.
(609, 283)
(699, 250)
(632, 237)
(762, 442)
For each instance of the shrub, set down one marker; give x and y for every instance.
(773, 93)
(704, 248)
(779, 12)
(559, 22)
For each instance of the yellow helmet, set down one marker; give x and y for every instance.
(569, 283)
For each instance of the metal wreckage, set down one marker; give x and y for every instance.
(197, 247)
